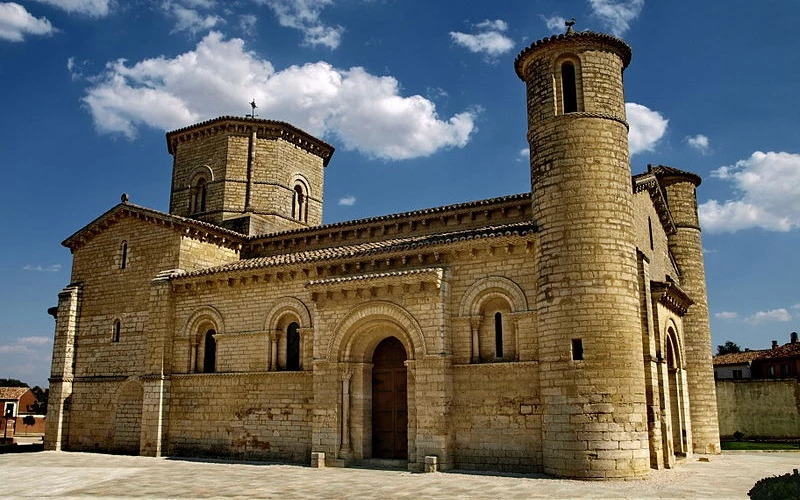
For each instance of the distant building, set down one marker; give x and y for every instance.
(781, 361)
(19, 418)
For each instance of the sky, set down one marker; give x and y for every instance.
(420, 100)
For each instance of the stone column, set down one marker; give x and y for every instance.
(273, 352)
(475, 327)
(62, 368)
(158, 366)
(346, 451)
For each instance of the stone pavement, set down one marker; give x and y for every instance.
(77, 475)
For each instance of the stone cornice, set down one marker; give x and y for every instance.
(589, 39)
(671, 296)
(401, 250)
(432, 275)
(649, 182)
(265, 129)
(399, 224)
(670, 175)
(191, 228)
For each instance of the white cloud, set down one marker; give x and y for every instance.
(699, 143)
(772, 315)
(617, 14)
(36, 340)
(93, 8)
(523, 154)
(646, 127)
(247, 22)
(25, 345)
(496, 25)
(347, 201)
(189, 19)
(554, 23)
(488, 40)
(16, 23)
(304, 15)
(796, 306)
(767, 195)
(40, 268)
(363, 111)
(726, 315)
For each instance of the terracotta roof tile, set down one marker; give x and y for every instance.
(371, 247)
(12, 392)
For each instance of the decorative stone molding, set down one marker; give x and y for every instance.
(649, 182)
(492, 285)
(377, 310)
(265, 129)
(205, 314)
(671, 296)
(284, 306)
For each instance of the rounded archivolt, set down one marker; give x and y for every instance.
(671, 330)
(287, 305)
(202, 316)
(486, 288)
(367, 324)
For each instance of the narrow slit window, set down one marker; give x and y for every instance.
(123, 257)
(299, 210)
(569, 91)
(498, 335)
(210, 352)
(577, 349)
(293, 347)
(116, 331)
(650, 229)
(199, 195)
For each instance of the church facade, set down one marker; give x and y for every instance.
(563, 330)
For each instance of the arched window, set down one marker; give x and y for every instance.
(498, 335)
(210, 352)
(116, 331)
(569, 89)
(293, 347)
(123, 255)
(199, 194)
(299, 204)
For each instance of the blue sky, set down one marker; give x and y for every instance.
(421, 100)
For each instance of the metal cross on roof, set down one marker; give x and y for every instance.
(569, 24)
(253, 109)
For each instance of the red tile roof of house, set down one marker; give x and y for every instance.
(12, 392)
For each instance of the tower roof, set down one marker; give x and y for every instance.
(670, 175)
(584, 37)
(265, 128)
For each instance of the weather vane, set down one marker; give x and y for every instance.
(253, 109)
(569, 24)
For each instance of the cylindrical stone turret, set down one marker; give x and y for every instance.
(587, 303)
(687, 248)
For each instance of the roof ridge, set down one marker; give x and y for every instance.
(392, 216)
(367, 248)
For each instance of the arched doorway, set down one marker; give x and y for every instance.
(389, 400)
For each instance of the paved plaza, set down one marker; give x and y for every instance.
(77, 475)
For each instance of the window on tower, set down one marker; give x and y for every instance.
(569, 89)
(199, 195)
(299, 204)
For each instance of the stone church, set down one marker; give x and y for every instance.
(563, 330)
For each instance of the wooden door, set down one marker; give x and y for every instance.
(389, 400)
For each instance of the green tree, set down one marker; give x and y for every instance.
(12, 382)
(728, 348)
